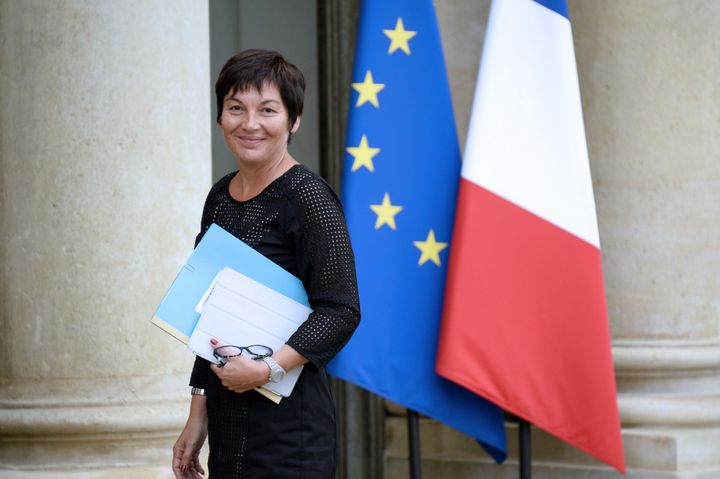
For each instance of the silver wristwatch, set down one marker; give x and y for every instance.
(276, 371)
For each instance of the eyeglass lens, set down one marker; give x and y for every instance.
(258, 350)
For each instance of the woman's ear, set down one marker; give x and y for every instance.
(295, 126)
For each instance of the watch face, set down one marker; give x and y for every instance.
(276, 371)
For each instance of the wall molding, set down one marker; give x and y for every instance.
(652, 357)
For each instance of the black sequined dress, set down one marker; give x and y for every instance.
(297, 222)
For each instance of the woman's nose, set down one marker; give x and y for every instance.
(249, 121)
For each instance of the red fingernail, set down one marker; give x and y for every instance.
(213, 340)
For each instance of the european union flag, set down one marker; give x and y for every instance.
(399, 189)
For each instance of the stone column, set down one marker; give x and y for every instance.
(649, 74)
(104, 164)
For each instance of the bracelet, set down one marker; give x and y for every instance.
(198, 392)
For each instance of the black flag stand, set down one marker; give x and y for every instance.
(413, 422)
(414, 443)
(525, 454)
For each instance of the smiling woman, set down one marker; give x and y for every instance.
(290, 215)
(255, 126)
(259, 105)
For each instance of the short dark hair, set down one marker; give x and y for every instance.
(252, 68)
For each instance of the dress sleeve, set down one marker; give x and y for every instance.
(200, 373)
(326, 266)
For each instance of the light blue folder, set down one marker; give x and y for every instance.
(218, 249)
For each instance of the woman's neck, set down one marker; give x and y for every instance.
(251, 180)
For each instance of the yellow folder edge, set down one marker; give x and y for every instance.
(160, 323)
(270, 395)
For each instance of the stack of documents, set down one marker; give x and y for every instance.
(240, 311)
(180, 310)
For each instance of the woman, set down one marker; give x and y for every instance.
(292, 216)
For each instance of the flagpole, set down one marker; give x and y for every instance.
(525, 453)
(414, 443)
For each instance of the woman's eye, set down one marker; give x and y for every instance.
(268, 110)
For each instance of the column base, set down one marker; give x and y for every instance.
(119, 427)
(398, 469)
(651, 453)
(144, 473)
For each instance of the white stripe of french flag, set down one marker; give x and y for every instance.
(525, 322)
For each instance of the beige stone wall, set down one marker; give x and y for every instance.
(649, 77)
(648, 74)
(104, 164)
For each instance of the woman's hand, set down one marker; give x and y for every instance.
(241, 373)
(186, 451)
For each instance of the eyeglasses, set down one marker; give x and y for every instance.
(254, 351)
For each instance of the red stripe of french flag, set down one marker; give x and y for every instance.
(525, 322)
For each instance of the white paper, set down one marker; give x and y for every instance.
(240, 311)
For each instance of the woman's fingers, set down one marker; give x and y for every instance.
(241, 374)
(177, 461)
(198, 466)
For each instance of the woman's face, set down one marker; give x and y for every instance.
(255, 125)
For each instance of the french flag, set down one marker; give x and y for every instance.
(524, 320)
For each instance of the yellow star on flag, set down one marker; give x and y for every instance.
(368, 90)
(399, 37)
(363, 155)
(386, 212)
(430, 249)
